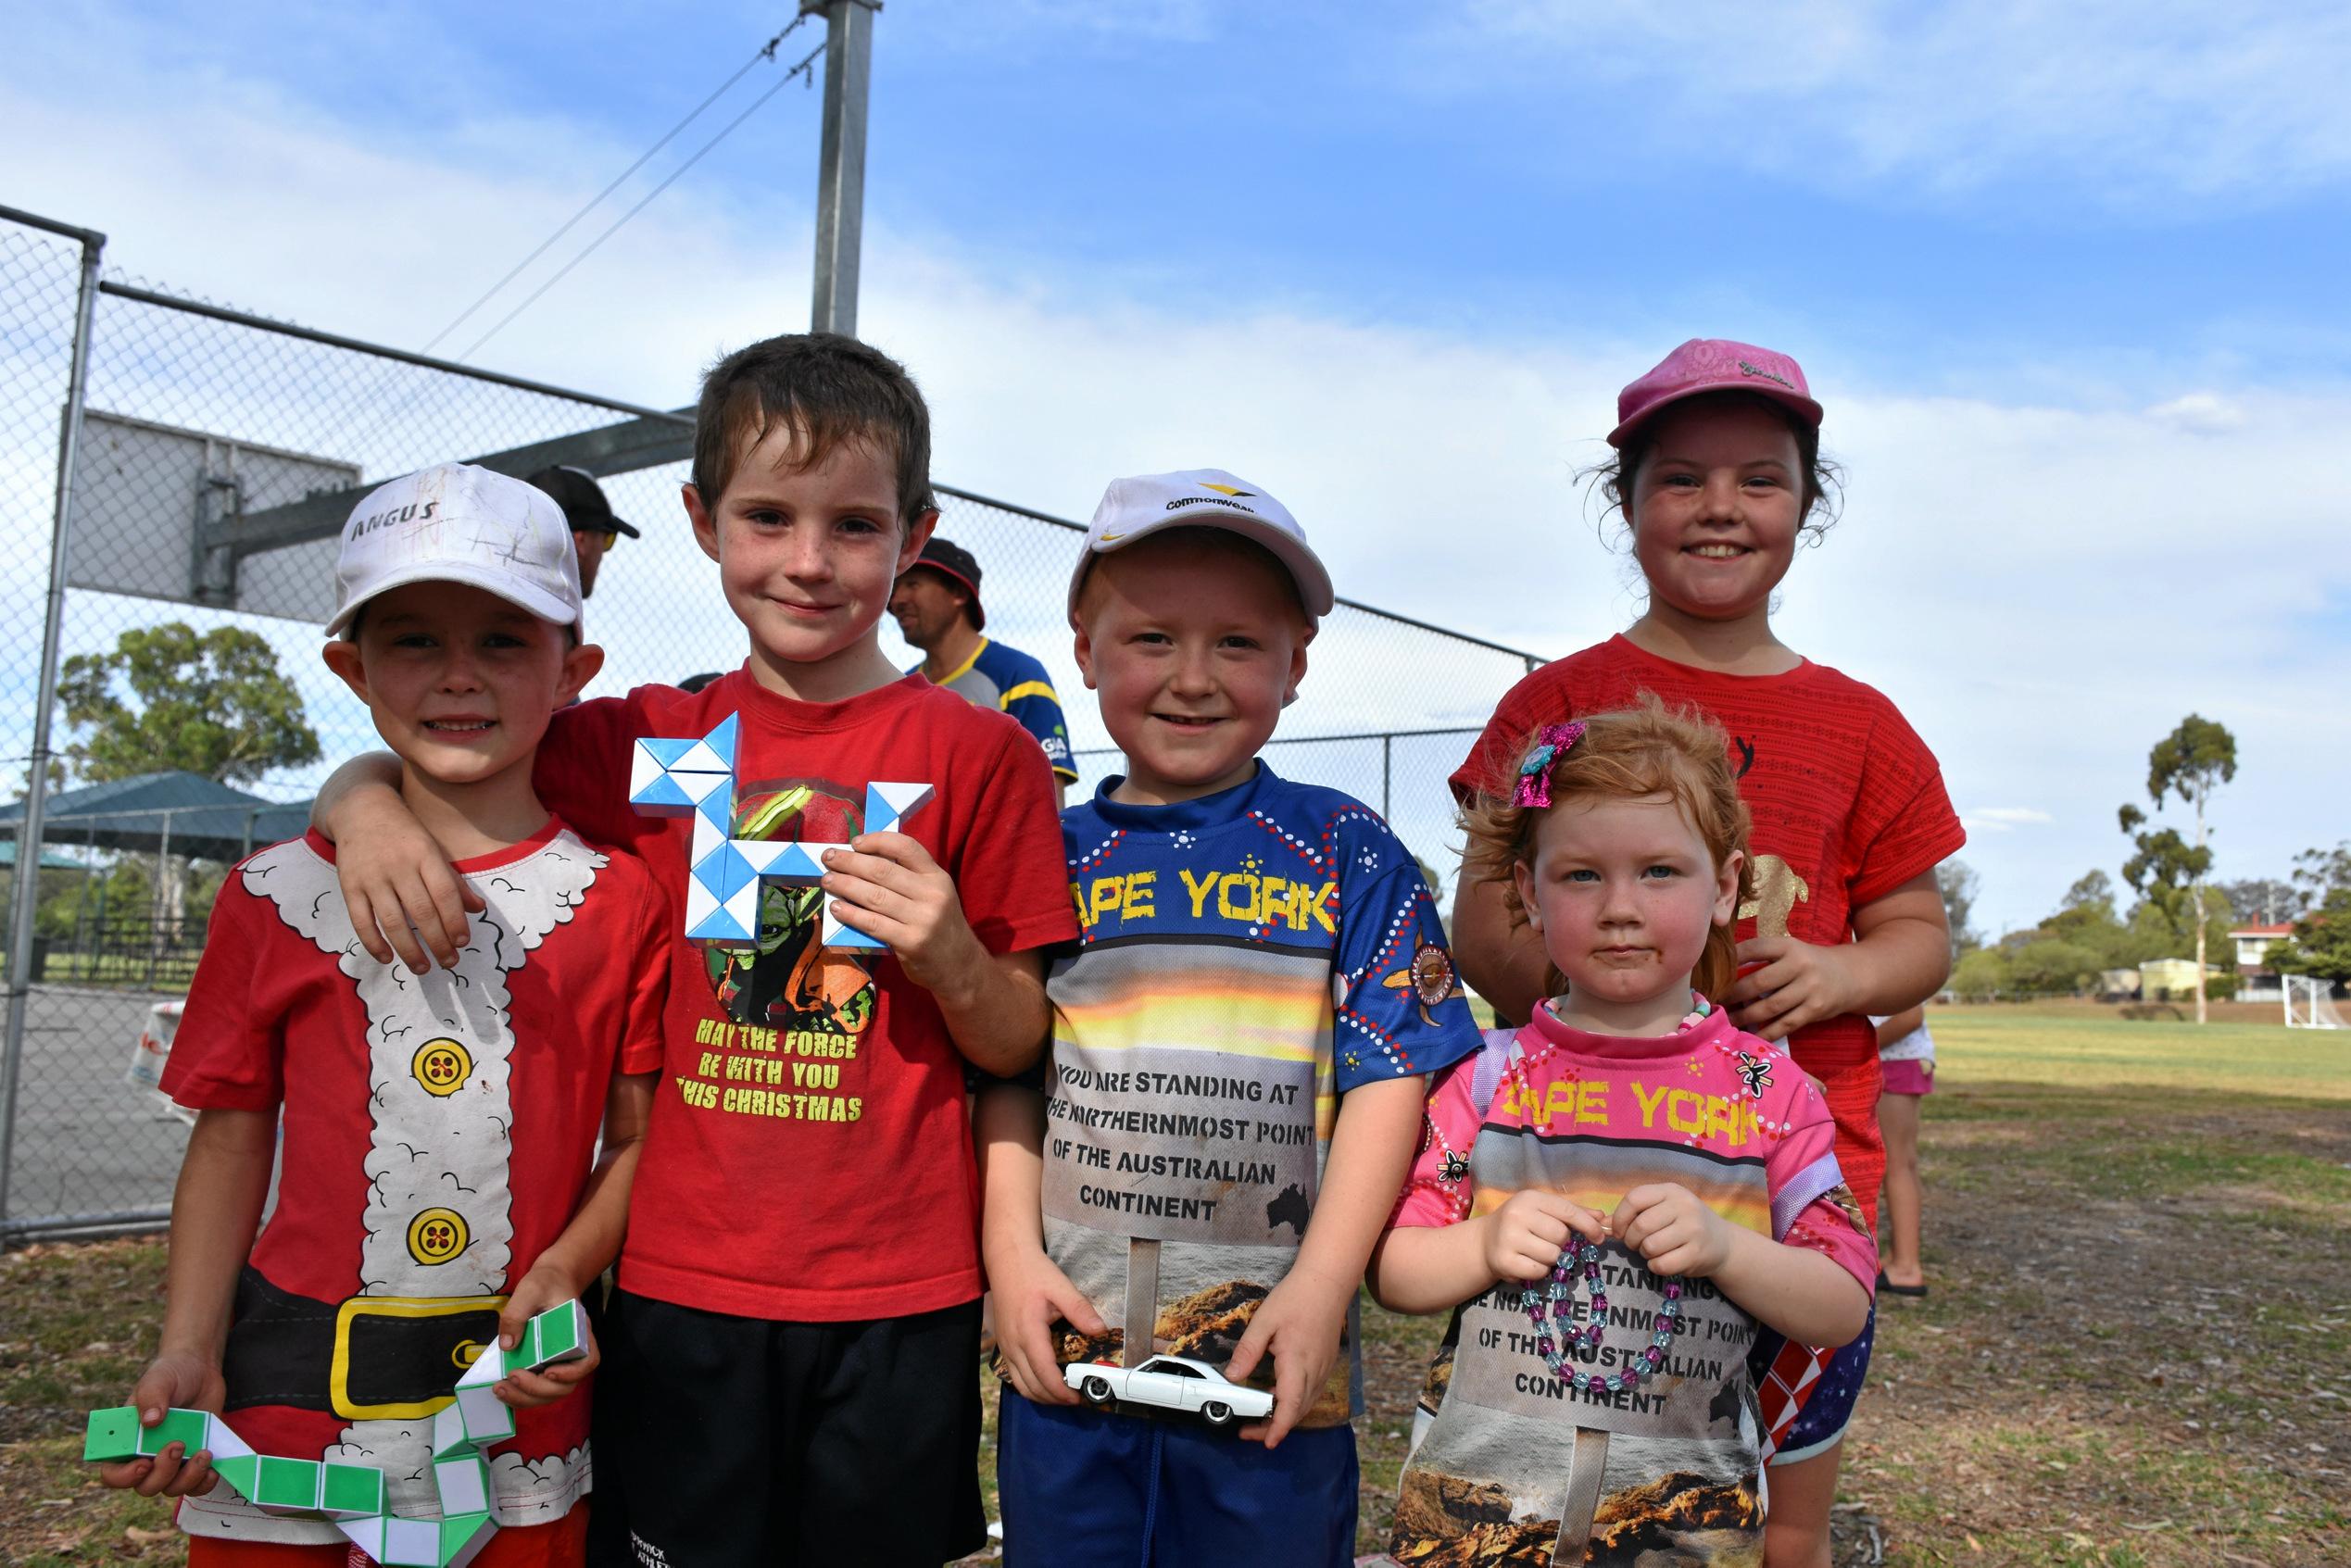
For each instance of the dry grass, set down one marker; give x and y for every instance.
(2137, 1353)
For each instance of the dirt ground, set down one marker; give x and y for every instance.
(2136, 1354)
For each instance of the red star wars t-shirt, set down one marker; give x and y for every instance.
(810, 1156)
(1848, 805)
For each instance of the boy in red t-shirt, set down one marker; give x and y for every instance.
(440, 1182)
(791, 1347)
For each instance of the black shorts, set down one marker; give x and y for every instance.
(726, 1440)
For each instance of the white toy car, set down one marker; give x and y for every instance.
(1173, 1382)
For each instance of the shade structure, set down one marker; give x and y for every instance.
(185, 813)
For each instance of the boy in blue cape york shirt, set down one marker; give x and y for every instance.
(1235, 1085)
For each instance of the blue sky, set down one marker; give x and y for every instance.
(2068, 277)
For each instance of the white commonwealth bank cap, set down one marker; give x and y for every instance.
(1137, 508)
(458, 523)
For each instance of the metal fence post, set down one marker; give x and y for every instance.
(28, 881)
(841, 169)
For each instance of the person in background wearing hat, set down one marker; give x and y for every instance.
(409, 1228)
(593, 528)
(938, 606)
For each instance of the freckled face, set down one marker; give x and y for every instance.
(1624, 894)
(1194, 650)
(1717, 507)
(807, 555)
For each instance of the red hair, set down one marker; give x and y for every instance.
(1634, 754)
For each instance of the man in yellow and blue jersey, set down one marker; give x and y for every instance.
(937, 603)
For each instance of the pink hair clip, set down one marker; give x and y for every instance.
(1534, 774)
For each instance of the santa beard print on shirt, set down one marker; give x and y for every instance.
(437, 1223)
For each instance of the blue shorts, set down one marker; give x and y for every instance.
(1807, 1394)
(1080, 1487)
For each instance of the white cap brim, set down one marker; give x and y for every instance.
(1306, 570)
(546, 607)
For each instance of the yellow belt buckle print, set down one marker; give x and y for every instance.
(357, 1307)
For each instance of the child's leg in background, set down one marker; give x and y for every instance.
(1898, 1116)
(1807, 1396)
(1080, 1487)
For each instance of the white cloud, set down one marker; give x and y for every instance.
(2200, 413)
(2002, 819)
(2045, 588)
(2136, 99)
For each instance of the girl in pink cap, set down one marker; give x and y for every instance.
(1719, 476)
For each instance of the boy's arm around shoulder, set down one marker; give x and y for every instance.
(407, 902)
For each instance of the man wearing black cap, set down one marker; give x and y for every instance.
(593, 528)
(937, 607)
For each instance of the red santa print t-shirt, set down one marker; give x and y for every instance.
(437, 1132)
(1848, 804)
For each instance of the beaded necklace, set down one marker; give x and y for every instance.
(1560, 1292)
(1554, 1341)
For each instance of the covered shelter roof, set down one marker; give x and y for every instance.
(186, 812)
(50, 859)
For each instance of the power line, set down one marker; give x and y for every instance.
(766, 52)
(801, 69)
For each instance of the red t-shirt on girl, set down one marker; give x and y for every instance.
(810, 1156)
(1848, 805)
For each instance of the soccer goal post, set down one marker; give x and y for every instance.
(2309, 1003)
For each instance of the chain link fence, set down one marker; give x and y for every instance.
(216, 454)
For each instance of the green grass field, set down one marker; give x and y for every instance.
(2077, 1048)
(2136, 1354)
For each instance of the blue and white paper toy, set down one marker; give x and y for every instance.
(680, 776)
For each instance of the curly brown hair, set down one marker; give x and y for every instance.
(1632, 753)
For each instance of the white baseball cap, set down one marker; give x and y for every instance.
(454, 522)
(1137, 508)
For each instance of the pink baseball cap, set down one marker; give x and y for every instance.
(1712, 364)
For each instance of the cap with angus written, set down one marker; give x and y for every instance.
(454, 522)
